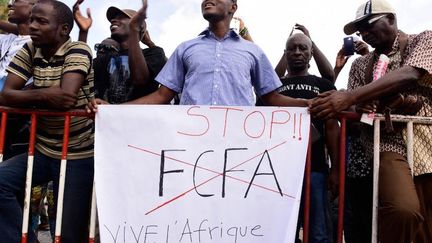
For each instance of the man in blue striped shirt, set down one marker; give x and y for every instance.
(217, 68)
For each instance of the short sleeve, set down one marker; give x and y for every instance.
(172, 74)
(326, 85)
(264, 77)
(78, 59)
(21, 64)
(420, 52)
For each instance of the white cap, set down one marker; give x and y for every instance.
(367, 9)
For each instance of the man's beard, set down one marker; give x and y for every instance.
(212, 17)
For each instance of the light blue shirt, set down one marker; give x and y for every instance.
(209, 71)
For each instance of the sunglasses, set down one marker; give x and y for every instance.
(105, 47)
(367, 24)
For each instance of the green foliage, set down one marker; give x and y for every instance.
(3, 9)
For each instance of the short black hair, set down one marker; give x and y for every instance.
(63, 14)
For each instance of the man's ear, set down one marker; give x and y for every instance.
(65, 30)
(392, 19)
(233, 9)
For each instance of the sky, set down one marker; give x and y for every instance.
(171, 22)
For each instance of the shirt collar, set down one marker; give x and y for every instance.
(395, 46)
(208, 33)
(60, 52)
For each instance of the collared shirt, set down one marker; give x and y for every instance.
(70, 57)
(418, 54)
(10, 44)
(211, 71)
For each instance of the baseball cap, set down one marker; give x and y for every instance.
(366, 10)
(112, 12)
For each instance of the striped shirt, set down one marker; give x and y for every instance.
(70, 57)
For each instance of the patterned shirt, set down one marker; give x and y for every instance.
(70, 57)
(417, 54)
(10, 44)
(211, 71)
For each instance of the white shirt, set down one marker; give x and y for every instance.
(10, 44)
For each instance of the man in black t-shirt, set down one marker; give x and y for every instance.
(298, 83)
(130, 73)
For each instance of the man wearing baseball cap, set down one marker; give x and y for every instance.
(404, 202)
(131, 73)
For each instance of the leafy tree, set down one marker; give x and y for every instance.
(3, 9)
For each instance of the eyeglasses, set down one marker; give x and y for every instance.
(105, 48)
(367, 24)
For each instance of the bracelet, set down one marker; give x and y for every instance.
(243, 32)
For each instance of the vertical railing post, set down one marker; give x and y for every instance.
(28, 182)
(3, 133)
(410, 145)
(307, 188)
(376, 165)
(62, 179)
(341, 200)
(93, 216)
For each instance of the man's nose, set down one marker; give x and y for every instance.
(297, 51)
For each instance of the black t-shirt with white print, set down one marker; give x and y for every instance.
(308, 87)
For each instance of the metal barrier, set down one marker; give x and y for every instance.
(409, 120)
(26, 210)
(343, 117)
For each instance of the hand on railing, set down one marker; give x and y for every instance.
(93, 105)
(369, 107)
(59, 99)
(330, 103)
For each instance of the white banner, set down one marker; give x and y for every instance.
(199, 174)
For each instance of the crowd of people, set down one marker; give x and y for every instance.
(41, 67)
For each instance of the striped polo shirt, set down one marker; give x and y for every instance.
(70, 57)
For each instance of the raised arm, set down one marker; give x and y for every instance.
(243, 30)
(281, 67)
(84, 23)
(137, 63)
(8, 27)
(341, 60)
(324, 66)
(146, 40)
(361, 48)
